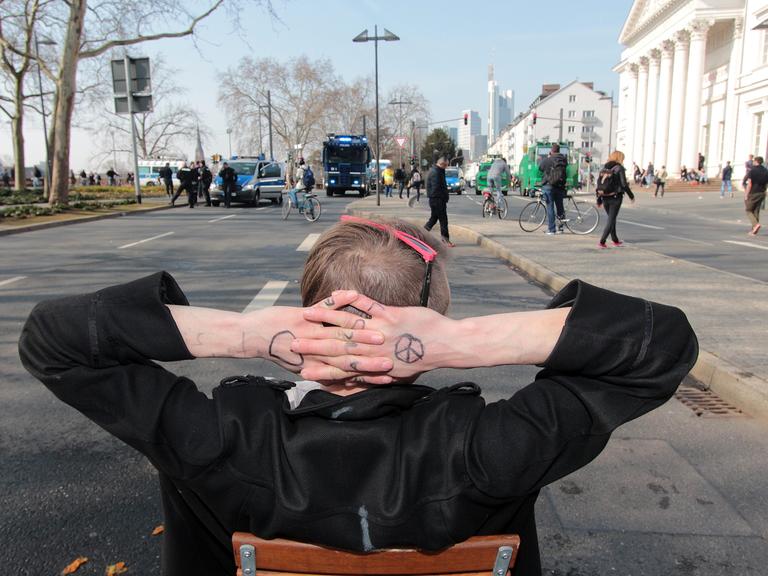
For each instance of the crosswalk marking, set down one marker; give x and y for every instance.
(640, 224)
(145, 240)
(309, 241)
(12, 280)
(747, 244)
(222, 218)
(267, 296)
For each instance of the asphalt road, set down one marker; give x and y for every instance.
(698, 227)
(68, 489)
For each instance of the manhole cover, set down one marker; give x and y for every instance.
(706, 403)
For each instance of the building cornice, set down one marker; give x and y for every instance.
(634, 29)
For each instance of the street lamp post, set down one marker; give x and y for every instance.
(45, 42)
(400, 104)
(387, 37)
(229, 142)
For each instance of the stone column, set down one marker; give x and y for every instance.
(628, 98)
(731, 99)
(692, 121)
(649, 146)
(640, 105)
(677, 102)
(665, 97)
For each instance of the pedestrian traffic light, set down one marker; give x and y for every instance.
(534, 118)
(466, 118)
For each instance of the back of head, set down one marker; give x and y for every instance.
(357, 256)
(616, 156)
(759, 160)
(555, 148)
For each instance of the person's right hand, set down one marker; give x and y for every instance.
(413, 338)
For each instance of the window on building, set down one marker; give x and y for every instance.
(571, 113)
(585, 144)
(588, 114)
(571, 129)
(570, 143)
(572, 98)
(757, 130)
(587, 129)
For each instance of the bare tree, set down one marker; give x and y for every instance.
(162, 132)
(301, 93)
(404, 104)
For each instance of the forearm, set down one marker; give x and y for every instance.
(210, 333)
(522, 338)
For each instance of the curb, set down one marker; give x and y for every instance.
(44, 225)
(731, 383)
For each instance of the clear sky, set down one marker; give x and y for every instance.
(445, 49)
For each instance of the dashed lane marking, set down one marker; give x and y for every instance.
(309, 241)
(11, 280)
(641, 225)
(222, 218)
(747, 244)
(145, 240)
(267, 296)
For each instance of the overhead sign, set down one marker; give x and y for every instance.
(400, 141)
(140, 85)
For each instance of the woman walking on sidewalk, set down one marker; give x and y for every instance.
(611, 188)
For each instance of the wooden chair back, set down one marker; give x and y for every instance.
(478, 556)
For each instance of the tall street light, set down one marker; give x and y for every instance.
(44, 42)
(229, 142)
(387, 37)
(400, 104)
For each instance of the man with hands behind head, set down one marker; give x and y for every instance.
(362, 458)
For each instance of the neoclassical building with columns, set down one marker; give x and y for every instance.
(693, 78)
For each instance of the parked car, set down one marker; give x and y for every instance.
(454, 178)
(256, 180)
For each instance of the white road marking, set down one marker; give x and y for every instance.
(145, 240)
(639, 224)
(222, 218)
(12, 280)
(267, 296)
(689, 240)
(309, 241)
(747, 244)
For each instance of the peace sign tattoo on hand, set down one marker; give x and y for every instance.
(409, 349)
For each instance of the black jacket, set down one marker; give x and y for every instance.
(185, 176)
(391, 466)
(166, 173)
(547, 163)
(436, 185)
(228, 175)
(622, 175)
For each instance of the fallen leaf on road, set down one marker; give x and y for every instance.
(74, 565)
(158, 530)
(115, 569)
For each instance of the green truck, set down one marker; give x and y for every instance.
(529, 174)
(481, 180)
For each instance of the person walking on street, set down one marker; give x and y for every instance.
(184, 174)
(195, 183)
(495, 177)
(389, 179)
(437, 192)
(206, 177)
(416, 183)
(553, 182)
(726, 176)
(660, 181)
(649, 175)
(83, 178)
(754, 195)
(112, 175)
(611, 187)
(37, 177)
(748, 165)
(400, 179)
(166, 174)
(228, 180)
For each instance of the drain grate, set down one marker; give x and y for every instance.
(706, 403)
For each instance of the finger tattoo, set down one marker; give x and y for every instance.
(409, 349)
(348, 334)
(329, 301)
(353, 365)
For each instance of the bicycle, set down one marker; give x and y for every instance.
(491, 206)
(579, 217)
(309, 206)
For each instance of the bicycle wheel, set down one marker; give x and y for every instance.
(532, 216)
(312, 208)
(287, 205)
(488, 208)
(501, 208)
(581, 217)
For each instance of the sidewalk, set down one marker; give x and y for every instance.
(729, 313)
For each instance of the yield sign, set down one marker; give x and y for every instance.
(400, 141)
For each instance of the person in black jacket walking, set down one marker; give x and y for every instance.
(166, 173)
(186, 177)
(228, 180)
(206, 177)
(611, 199)
(437, 192)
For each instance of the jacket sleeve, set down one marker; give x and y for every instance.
(95, 351)
(624, 184)
(618, 357)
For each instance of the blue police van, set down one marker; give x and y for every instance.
(345, 158)
(257, 179)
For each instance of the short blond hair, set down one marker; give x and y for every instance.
(357, 256)
(616, 156)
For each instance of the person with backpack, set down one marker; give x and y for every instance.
(611, 187)
(400, 179)
(305, 181)
(228, 180)
(415, 183)
(553, 182)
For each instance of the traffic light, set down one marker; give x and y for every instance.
(588, 159)
(466, 118)
(534, 118)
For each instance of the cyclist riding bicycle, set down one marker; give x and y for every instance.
(496, 172)
(305, 181)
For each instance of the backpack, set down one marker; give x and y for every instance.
(556, 176)
(308, 180)
(607, 182)
(416, 177)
